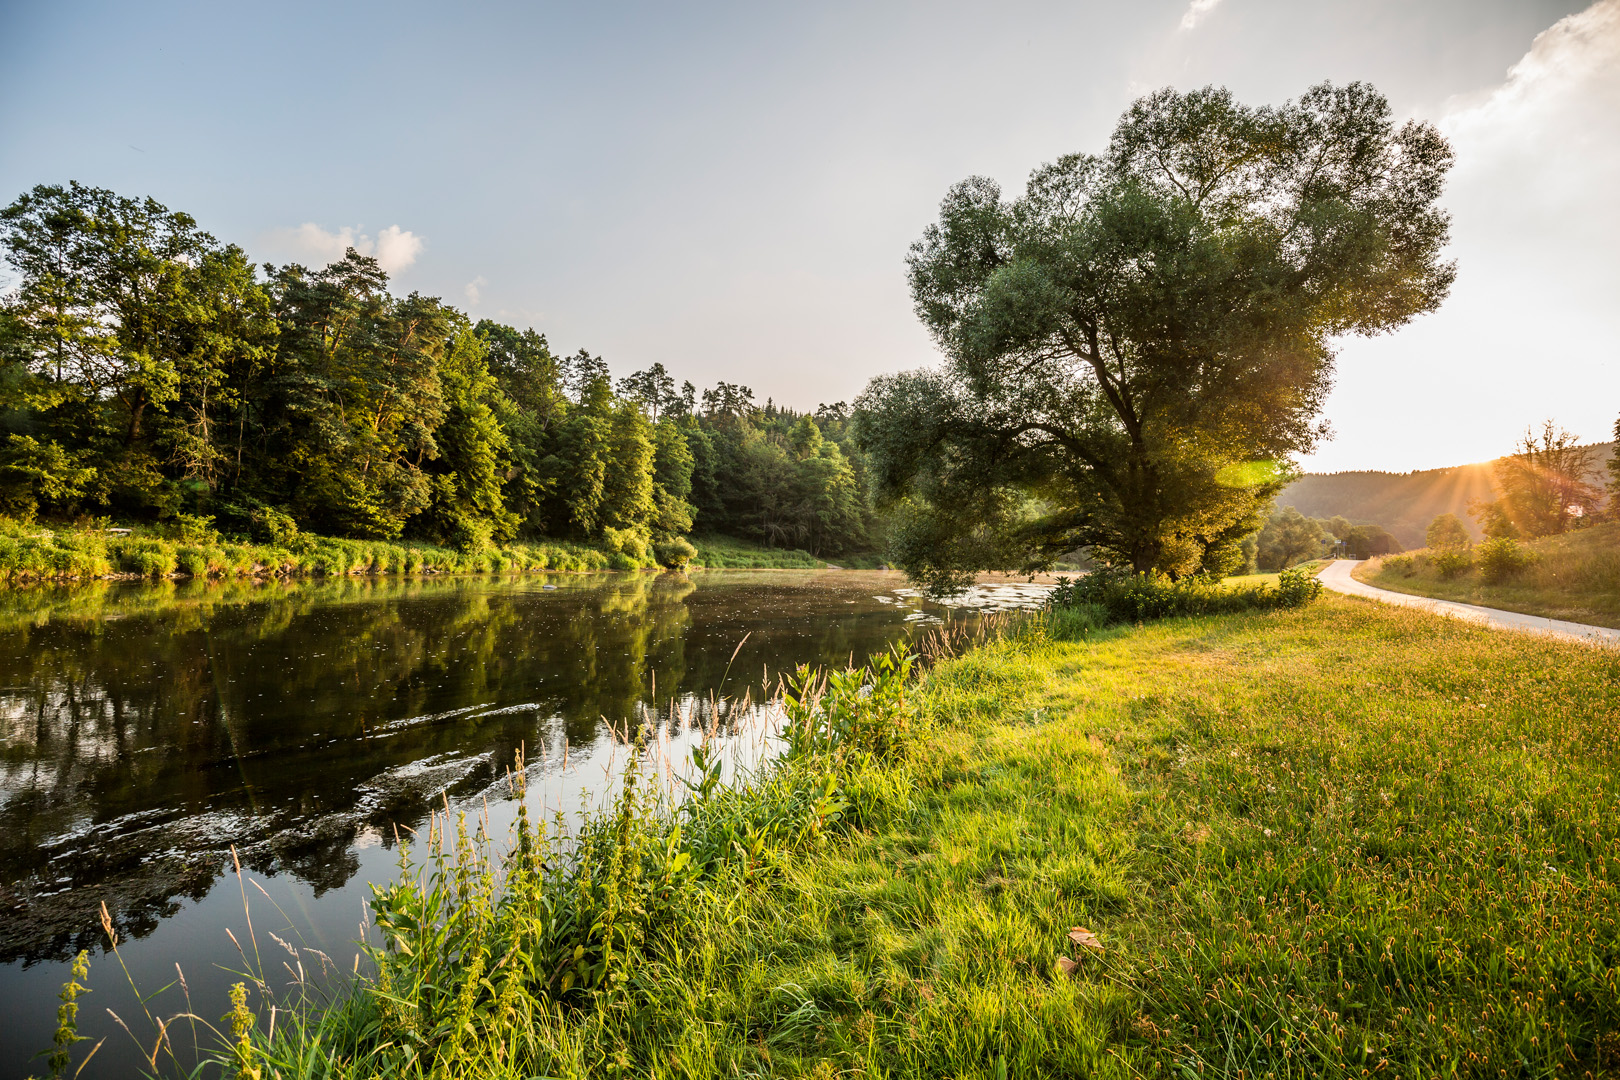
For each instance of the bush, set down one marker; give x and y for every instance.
(263, 524)
(1296, 588)
(1400, 564)
(1501, 559)
(674, 553)
(1452, 562)
(189, 528)
(471, 535)
(193, 562)
(1124, 597)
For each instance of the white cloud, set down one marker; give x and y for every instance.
(474, 290)
(397, 249)
(1548, 139)
(1531, 329)
(1196, 12)
(393, 248)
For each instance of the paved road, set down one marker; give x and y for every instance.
(1336, 576)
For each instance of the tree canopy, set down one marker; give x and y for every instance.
(150, 371)
(1545, 487)
(1447, 533)
(1136, 347)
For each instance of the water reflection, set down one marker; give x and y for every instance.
(146, 729)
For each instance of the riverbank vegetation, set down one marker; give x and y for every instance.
(1573, 576)
(152, 374)
(31, 552)
(1233, 845)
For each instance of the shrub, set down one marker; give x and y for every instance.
(1123, 596)
(1502, 558)
(1296, 588)
(1400, 564)
(192, 561)
(471, 534)
(1451, 562)
(264, 524)
(674, 553)
(146, 557)
(189, 527)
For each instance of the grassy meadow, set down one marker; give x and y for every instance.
(1342, 840)
(1575, 576)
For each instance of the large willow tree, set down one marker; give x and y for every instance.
(1137, 346)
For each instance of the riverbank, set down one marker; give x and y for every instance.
(35, 553)
(1300, 843)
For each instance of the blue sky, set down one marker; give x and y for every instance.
(731, 189)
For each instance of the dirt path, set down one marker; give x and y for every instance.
(1336, 576)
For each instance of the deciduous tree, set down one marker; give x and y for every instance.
(1446, 532)
(1136, 346)
(1545, 482)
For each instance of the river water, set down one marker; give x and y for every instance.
(146, 731)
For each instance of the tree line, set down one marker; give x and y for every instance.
(150, 371)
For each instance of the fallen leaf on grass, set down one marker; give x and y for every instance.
(1081, 936)
(1066, 966)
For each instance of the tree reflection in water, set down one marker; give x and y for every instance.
(146, 729)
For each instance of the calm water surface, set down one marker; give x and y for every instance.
(145, 730)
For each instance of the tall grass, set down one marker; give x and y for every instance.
(1327, 841)
(1575, 576)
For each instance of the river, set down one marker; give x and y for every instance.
(147, 730)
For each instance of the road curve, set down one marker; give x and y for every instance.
(1336, 576)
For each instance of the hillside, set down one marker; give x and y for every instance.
(1575, 576)
(1404, 503)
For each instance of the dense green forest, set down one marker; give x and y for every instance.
(151, 373)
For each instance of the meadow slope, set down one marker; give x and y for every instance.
(1347, 840)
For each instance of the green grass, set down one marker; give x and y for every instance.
(730, 553)
(1576, 577)
(1269, 577)
(1341, 840)
(30, 553)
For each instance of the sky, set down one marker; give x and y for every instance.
(731, 189)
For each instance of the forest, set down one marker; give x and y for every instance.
(151, 373)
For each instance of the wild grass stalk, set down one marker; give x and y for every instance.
(1320, 841)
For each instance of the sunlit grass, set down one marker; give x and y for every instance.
(1313, 842)
(1575, 577)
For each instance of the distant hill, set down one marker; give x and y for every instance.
(1405, 503)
